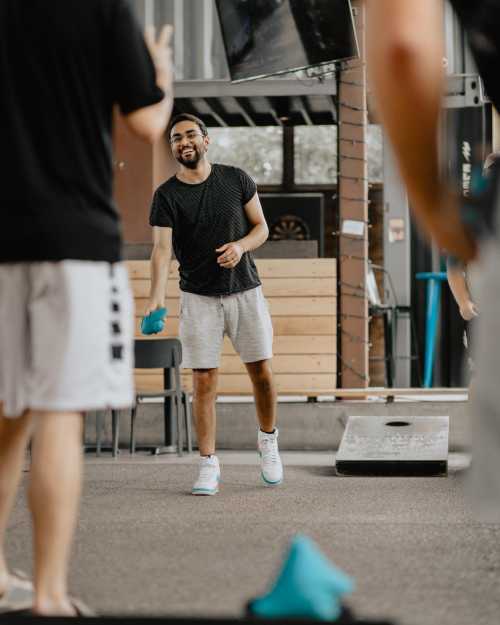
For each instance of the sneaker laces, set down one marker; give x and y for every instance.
(269, 450)
(206, 470)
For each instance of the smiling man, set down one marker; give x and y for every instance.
(215, 218)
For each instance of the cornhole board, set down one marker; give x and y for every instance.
(403, 446)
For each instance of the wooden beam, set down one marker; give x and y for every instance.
(245, 110)
(230, 119)
(303, 107)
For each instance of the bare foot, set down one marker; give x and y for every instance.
(54, 608)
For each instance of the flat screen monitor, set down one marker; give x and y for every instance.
(268, 37)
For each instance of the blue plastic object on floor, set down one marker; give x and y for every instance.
(154, 322)
(309, 586)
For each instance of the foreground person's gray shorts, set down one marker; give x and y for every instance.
(66, 337)
(204, 320)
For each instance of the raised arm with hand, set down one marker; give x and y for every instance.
(405, 56)
(150, 122)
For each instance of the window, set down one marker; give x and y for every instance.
(375, 153)
(257, 150)
(316, 154)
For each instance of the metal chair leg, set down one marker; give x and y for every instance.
(99, 421)
(178, 408)
(188, 420)
(133, 415)
(417, 351)
(115, 418)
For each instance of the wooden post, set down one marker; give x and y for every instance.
(353, 206)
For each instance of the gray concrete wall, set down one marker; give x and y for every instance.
(303, 426)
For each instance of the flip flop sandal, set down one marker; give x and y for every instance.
(19, 594)
(81, 608)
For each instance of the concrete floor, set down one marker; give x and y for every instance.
(146, 546)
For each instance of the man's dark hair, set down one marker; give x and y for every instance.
(187, 117)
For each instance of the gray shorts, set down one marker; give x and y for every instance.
(204, 320)
(66, 337)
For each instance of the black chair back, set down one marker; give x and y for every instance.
(157, 353)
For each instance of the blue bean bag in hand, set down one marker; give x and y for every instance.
(154, 322)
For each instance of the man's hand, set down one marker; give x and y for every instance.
(161, 53)
(230, 255)
(153, 304)
(469, 310)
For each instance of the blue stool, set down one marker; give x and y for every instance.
(434, 281)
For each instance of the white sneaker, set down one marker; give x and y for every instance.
(270, 461)
(209, 477)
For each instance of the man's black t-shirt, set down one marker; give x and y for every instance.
(63, 65)
(204, 217)
(481, 21)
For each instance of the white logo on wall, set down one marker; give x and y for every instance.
(466, 168)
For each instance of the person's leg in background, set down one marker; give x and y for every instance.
(201, 331)
(264, 390)
(265, 395)
(251, 331)
(204, 396)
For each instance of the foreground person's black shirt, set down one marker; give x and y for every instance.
(204, 217)
(63, 64)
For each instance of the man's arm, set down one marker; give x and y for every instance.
(232, 252)
(160, 267)
(460, 290)
(150, 122)
(405, 52)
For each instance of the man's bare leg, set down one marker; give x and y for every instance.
(264, 391)
(14, 436)
(54, 496)
(204, 395)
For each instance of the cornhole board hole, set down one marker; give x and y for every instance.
(403, 446)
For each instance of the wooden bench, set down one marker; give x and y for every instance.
(302, 300)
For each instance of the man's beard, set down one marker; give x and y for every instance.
(192, 162)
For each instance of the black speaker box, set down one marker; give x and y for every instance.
(295, 216)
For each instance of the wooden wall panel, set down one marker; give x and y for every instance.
(305, 326)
